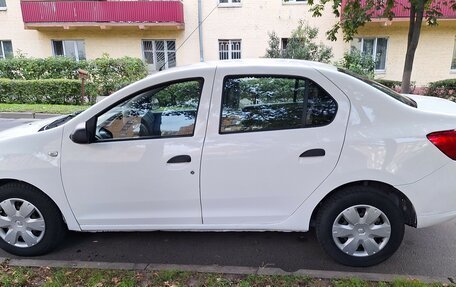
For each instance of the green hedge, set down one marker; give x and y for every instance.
(107, 74)
(49, 91)
(443, 89)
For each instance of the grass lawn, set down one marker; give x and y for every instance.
(53, 277)
(41, 108)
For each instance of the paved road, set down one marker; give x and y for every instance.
(430, 251)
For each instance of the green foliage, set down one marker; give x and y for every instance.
(273, 50)
(357, 13)
(110, 75)
(351, 282)
(358, 63)
(443, 89)
(107, 74)
(301, 45)
(49, 91)
(181, 95)
(22, 68)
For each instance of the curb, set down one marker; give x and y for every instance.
(25, 115)
(323, 274)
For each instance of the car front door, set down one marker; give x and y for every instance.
(273, 137)
(142, 171)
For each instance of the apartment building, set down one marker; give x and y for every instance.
(165, 33)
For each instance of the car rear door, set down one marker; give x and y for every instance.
(274, 135)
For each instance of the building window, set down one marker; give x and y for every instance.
(74, 49)
(6, 49)
(159, 54)
(2, 5)
(453, 61)
(229, 49)
(229, 2)
(284, 43)
(375, 47)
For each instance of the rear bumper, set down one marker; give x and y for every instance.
(434, 196)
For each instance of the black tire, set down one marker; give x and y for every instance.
(349, 197)
(55, 228)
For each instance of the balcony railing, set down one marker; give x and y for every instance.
(401, 9)
(66, 14)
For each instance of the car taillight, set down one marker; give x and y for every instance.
(445, 141)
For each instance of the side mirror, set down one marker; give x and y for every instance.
(80, 134)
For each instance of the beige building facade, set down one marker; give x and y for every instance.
(230, 29)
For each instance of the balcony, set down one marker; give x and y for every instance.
(67, 14)
(402, 10)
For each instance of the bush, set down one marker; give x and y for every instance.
(396, 85)
(110, 75)
(48, 91)
(358, 63)
(107, 74)
(22, 68)
(443, 89)
(301, 45)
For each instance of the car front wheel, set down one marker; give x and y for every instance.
(360, 226)
(30, 223)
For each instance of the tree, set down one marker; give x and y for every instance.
(301, 45)
(356, 14)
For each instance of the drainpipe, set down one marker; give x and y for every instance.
(200, 30)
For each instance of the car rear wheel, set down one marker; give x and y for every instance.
(360, 226)
(30, 223)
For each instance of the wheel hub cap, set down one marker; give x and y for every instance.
(361, 230)
(21, 223)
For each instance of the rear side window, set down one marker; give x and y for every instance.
(262, 103)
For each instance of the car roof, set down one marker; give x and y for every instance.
(272, 62)
(265, 62)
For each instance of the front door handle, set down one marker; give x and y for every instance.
(313, 152)
(180, 159)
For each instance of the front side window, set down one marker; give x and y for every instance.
(74, 49)
(453, 61)
(229, 49)
(375, 47)
(160, 54)
(2, 4)
(6, 49)
(261, 103)
(165, 111)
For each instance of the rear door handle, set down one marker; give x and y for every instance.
(313, 152)
(180, 159)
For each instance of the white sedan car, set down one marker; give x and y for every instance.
(249, 145)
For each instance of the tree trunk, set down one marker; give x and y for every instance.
(416, 19)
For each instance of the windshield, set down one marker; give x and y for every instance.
(390, 92)
(60, 121)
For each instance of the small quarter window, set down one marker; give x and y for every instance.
(165, 111)
(261, 103)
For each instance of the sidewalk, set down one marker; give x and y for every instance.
(25, 115)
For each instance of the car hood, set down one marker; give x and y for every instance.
(26, 128)
(434, 104)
